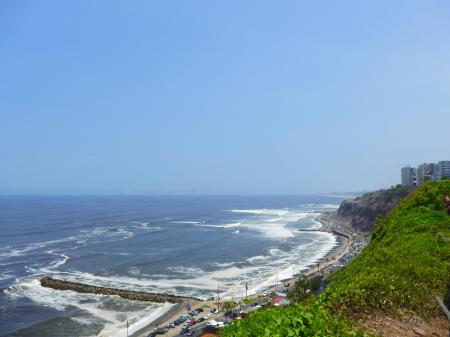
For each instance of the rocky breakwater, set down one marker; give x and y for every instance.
(361, 213)
(50, 282)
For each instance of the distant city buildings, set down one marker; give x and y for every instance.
(427, 171)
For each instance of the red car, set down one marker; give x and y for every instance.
(193, 322)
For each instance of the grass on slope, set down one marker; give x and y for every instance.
(296, 320)
(406, 264)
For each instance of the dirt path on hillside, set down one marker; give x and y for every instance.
(407, 326)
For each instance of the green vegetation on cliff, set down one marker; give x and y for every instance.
(404, 267)
(298, 320)
(406, 264)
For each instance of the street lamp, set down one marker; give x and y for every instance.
(218, 297)
(246, 289)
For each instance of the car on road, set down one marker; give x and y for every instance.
(214, 323)
(160, 331)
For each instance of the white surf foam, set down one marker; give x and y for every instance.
(324, 243)
(136, 324)
(197, 282)
(273, 230)
(114, 320)
(272, 222)
(188, 222)
(230, 225)
(262, 211)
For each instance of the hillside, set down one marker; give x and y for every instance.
(388, 289)
(362, 212)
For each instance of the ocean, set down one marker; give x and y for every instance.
(185, 245)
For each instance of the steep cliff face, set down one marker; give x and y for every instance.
(362, 212)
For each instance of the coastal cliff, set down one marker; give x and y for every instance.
(50, 282)
(362, 212)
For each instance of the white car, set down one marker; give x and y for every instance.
(212, 322)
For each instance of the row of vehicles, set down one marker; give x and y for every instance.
(187, 321)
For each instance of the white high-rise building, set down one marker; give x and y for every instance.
(422, 171)
(408, 176)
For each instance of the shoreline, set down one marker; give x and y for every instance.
(327, 263)
(167, 316)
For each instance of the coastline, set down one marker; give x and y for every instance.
(327, 264)
(356, 241)
(174, 311)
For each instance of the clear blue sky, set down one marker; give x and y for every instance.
(220, 97)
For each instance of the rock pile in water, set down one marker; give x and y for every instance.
(50, 282)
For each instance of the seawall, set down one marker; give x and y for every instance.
(50, 282)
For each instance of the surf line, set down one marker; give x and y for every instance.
(57, 284)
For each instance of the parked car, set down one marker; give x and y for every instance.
(233, 315)
(184, 331)
(199, 310)
(214, 310)
(160, 331)
(212, 322)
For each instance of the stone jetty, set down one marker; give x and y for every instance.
(50, 282)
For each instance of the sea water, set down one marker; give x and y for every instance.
(188, 245)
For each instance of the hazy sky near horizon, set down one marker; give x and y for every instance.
(220, 97)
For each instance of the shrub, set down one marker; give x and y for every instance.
(296, 320)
